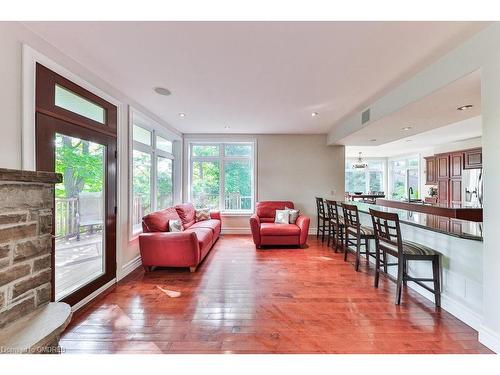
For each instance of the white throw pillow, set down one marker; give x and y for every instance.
(175, 226)
(294, 214)
(282, 217)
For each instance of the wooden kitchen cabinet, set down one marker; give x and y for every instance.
(443, 191)
(443, 166)
(473, 159)
(430, 171)
(456, 191)
(456, 164)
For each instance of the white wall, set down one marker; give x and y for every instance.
(12, 36)
(480, 52)
(289, 167)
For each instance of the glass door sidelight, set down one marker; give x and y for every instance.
(76, 136)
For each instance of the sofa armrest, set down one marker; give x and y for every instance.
(215, 215)
(303, 223)
(179, 249)
(255, 228)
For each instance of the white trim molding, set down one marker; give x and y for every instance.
(93, 295)
(489, 338)
(129, 267)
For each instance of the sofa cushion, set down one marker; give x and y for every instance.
(214, 225)
(204, 236)
(158, 221)
(267, 209)
(187, 214)
(271, 229)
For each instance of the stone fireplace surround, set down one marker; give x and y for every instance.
(26, 237)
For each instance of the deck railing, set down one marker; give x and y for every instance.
(66, 219)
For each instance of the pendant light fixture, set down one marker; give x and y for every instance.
(359, 164)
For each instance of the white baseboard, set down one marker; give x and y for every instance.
(93, 295)
(236, 231)
(489, 338)
(455, 308)
(312, 231)
(129, 267)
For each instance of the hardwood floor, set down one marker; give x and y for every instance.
(267, 301)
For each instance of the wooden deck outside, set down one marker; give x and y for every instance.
(77, 262)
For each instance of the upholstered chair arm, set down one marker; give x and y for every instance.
(303, 223)
(255, 228)
(215, 215)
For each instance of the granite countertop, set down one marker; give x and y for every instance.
(453, 227)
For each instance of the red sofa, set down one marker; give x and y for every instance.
(266, 232)
(188, 248)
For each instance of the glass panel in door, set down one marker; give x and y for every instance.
(79, 214)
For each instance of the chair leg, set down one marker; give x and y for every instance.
(384, 255)
(377, 268)
(358, 253)
(399, 282)
(329, 231)
(405, 272)
(323, 231)
(317, 228)
(437, 281)
(367, 248)
(346, 245)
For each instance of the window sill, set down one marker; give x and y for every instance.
(236, 213)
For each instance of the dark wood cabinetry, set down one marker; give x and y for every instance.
(456, 164)
(473, 159)
(455, 191)
(445, 171)
(430, 168)
(443, 191)
(443, 166)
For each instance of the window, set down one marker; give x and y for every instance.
(404, 180)
(152, 172)
(70, 101)
(222, 176)
(370, 179)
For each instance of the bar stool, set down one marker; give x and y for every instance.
(323, 220)
(360, 234)
(388, 241)
(336, 225)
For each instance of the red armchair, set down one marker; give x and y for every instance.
(266, 232)
(188, 248)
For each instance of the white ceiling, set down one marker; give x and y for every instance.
(257, 77)
(460, 131)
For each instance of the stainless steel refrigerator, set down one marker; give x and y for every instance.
(472, 187)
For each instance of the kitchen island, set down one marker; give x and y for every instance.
(461, 246)
(454, 211)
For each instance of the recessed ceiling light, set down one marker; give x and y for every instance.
(314, 114)
(464, 107)
(162, 91)
(406, 128)
(182, 114)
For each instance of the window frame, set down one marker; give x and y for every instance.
(367, 170)
(222, 159)
(406, 168)
(155, 129)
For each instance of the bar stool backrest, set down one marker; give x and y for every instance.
(320, 205)
(333, 211)
(351, 215)
(387, 232)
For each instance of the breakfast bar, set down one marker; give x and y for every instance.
(461, 246)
